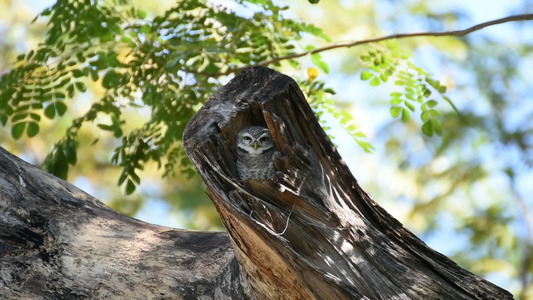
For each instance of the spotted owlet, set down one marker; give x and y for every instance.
(255, 153)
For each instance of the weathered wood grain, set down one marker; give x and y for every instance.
(311, 232)
(57, 242)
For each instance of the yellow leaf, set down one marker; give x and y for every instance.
(312, 73)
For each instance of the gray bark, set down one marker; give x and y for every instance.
(57, 242)
(310, 232)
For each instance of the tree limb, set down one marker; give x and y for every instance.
(57, 242)
(457, 33)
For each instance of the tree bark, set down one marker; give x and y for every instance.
(310, 232)
(57, 242)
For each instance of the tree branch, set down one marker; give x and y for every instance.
(457, 33)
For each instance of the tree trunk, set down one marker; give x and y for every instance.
(310, 232)
(57, 242)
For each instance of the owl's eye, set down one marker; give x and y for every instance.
(246, 138)
(264, 139)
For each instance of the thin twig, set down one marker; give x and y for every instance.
(528, 220)
(458, 33)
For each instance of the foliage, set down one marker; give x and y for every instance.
(387, 60)
(170, 63)
(318, 97)
(166, 65)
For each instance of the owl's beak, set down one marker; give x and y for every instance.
(255, 146)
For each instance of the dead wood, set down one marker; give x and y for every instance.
(310, 232)
(57, 242)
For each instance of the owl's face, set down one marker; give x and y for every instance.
(255, 140)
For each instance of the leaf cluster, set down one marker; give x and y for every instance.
(386, 60)
(170, 64)
(319, 98)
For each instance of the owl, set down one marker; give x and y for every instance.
(255, 153)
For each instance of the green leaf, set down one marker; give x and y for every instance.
(130, 187)
(105, 127)
(145, 28)
(126, 39)
(375, 82)
(61, 108)
(50, 111)
(135, 178)
(329, 91)
(17, 130)
(33, 129)
(19, 116)
(395, 111)
(351, 127)
(35, 116)
(405, 115)
(59, 95)
(365, 58)
(94, 74)
(425, 116)
(410, 106)
(80, 86)
(431, 103)
(365, 145)
(396, 101)
(434, 112)
(77, 73)
(312, 29)
(427, 128)
(122, 177)
(141, 14)
(110, 79)
(70, 90)
(3, 119)
(108, 36)
(409, 96)
(436, 126)
(366, 75)
(317, 60)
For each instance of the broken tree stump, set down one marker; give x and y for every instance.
(310, 231)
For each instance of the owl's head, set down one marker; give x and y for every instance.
(255, 140)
